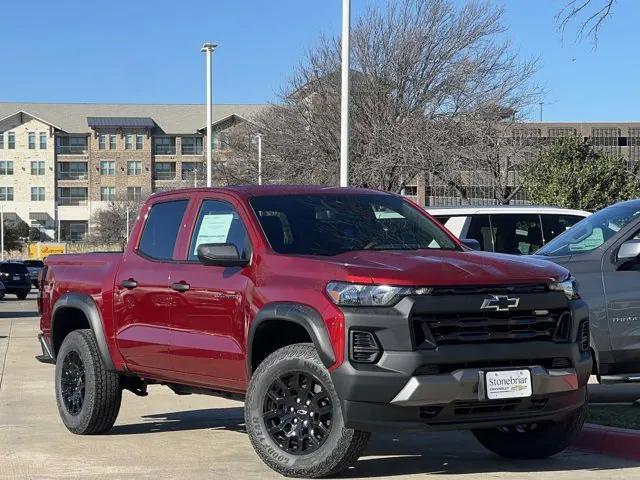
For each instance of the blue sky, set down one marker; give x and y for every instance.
(148, 52)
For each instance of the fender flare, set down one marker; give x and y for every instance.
(86, 305)
(305, 316)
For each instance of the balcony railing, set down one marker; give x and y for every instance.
(72, 201)
(72, 149)
(191, 149)
(165, 175)
(164, 150)
(73, 176)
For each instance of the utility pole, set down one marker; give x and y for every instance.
(208, 49)
(541, 103)
(259, 136)
(344, 96)
(127, 224)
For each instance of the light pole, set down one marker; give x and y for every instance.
(2, 232)
(344, 96)
(259, 136)
(208, 49)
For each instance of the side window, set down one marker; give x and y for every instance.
(518, 234)
(480, 230)
(218, 222)
(553, 225)
(161, 229)
(442, 219)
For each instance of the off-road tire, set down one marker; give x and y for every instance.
(342, 446)
(102, 390)
(545, 440)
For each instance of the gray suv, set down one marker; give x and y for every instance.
(603, 253)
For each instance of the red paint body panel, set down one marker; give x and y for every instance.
(199, 337)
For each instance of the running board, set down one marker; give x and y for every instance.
(621, 378)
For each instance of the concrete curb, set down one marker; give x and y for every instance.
(611, 441)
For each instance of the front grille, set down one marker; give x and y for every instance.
(499, 327)
(479, 408)
(495, 290)
(548, 363)
(492, 406)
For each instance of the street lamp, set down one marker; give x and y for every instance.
(208, 49)
(259, 137)
(344, 95)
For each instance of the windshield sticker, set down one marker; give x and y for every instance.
(592, 242)
(214, 229)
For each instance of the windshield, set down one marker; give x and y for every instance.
(590, 233)
(333, 224)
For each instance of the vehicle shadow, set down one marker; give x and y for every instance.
(450, 453)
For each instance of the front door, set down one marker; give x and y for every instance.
(142, 297)
(622, 292)
(208, 308)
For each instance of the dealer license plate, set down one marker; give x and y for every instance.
(508, 384)
(16, 277)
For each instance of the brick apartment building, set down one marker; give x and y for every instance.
(59, 163)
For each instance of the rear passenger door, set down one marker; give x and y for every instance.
(142, 298)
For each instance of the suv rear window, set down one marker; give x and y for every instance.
(333, 224)
(18, 268)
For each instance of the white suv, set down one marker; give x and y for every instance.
(519, 230)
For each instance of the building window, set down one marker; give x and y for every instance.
(191, 145)
(37, 167)
(107, 194)
(1, 140)
(11, 140)
(101, 141)
(107, 167)
(164, 171)
(139, 141)
(72, 196)
(6, 194)
(164, 145)
(37, 194)
(112, 142)
(72, 145)
(192, 171)
(561, 132)
(73, 231)
(128, 142)
(134, 167)
(32, 141)
(6, 167)
(43, 141)
(134, 193)
(72, 171)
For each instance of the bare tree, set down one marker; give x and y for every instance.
(590, 14)
(422, 71)
(109, 224)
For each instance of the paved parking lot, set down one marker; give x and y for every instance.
(169, 436)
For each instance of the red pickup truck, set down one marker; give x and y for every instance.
(332, 312)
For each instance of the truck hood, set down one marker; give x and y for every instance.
(445, 268)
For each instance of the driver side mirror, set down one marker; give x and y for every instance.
(220, 255)
(629, 250)
(472, 243)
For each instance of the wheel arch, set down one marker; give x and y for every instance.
(70, 305)
(299, 314)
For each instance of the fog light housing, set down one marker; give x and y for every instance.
(364, 347)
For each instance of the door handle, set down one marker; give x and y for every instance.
(180, 286)
(130, 283)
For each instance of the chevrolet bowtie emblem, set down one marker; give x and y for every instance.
(500, 303)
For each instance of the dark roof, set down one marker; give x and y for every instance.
(142, 122)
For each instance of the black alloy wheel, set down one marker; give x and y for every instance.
(297, 412)
(73, 383)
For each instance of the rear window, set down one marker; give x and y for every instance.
(13, 268)
(34, 263)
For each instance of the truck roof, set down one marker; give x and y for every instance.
(247, 191)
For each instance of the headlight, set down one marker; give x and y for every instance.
(355, 295)
(568, 286)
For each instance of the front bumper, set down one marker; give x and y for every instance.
(394, 394)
